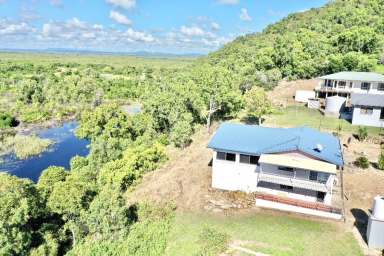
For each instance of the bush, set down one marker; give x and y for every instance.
(28, 146)
(212, 242)
(380, 163)
(362, 133)
(7, 121)
(362, 162)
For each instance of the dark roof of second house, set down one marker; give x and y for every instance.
(365, 99)
(257, 140)
(355, 76)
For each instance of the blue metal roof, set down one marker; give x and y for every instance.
(257, 140)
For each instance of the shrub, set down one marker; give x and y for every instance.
(380, 163)
(362, 162)
(362, 133)
(28, 146)
(6, 120)
(212, 242)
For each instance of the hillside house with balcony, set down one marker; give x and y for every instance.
(345, 83)
(290, 169)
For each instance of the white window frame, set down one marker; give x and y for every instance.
(226, 156)
(249, 159)
(365, 86)
(368, 111)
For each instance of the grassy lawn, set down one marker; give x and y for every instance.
(303, 116)
(380, 69)
(274, 235)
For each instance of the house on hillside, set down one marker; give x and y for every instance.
(368, 109)
(290, 169)
(345, 83)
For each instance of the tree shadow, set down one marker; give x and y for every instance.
(361, 222)
(252, 120)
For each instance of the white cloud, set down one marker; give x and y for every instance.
(192, 31)
(76, 23)
(215, 26)
(126, 4)
(228, 2)
(244, 15)
(98, 26)
(8, 28)
(120, 18)
(133, 35)
(79, 32)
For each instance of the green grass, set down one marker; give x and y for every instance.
(112, 60)
(303, 116)
(24, 146)
(274, 235)
(379, 69)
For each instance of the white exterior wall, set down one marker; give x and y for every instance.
(368, 120)
(303, 95)
(236, 176)
(291, 208)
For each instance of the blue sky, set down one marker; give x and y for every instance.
(197, 26)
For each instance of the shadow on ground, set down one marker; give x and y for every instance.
(361, 221)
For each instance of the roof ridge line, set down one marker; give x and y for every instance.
(281, 143)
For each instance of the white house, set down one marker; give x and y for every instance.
(368, 109)
(289, 169)
(345, 83)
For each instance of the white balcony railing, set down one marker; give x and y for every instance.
(287, 180)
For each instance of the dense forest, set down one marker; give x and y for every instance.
(343, 35)
(83, 211)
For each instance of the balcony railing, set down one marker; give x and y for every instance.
(283, 179)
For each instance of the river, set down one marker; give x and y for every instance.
(66, 146)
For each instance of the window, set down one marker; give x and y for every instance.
(285, 187)
(351, 84)
(323, 177)
(328, 83)
(248, 159)
(380, 87)
(226, 156)
(382, 114)
(342, 84)
(287, 169)
(365, 86)
(313, 175)
(366, 111)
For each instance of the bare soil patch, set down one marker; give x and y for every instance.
(185, 179)
(283, 94)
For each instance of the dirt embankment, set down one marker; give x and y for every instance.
(185, 179)
(283, 94)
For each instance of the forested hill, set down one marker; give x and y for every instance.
(342, 35)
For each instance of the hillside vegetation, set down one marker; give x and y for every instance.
(342, 35)
(82, 211)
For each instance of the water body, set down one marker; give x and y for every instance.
(66, 146)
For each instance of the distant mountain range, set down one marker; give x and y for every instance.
(144, 54)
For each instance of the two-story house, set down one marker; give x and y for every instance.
(345, 83)
(290, 169)
(363, 91)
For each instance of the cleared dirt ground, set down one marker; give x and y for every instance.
(283, 94)
(185, 179)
